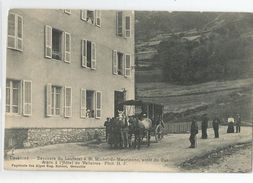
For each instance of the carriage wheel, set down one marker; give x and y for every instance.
(158, 133)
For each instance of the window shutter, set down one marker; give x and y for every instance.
(128, 26)
(68, 102)
(127, 65)
(84, 53)
(93, 55)
(48, 41)
(67, 46)
(114, 62)
(27, 98)
(19, 29)
(11, 31)
(49, 99)
(84, 15)
(119, 23)
(98, 18)
(98, 104)
(83, 103)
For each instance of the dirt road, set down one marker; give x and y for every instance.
(163, 156)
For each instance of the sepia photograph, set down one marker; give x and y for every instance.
(128, 90)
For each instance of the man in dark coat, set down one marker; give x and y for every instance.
(204, 126)
(194, 132)
(238, 123)
(216, 123)
(107, 125)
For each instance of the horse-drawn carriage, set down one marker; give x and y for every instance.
(146, 121)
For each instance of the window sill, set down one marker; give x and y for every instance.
(13, 114)
(15, 49)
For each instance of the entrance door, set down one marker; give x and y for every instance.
(119, 97)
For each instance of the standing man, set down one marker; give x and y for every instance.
(216, 123)
(238, 123)
(107, 125)
(194, 132)
(204, 126)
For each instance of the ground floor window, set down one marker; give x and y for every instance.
(13, 96)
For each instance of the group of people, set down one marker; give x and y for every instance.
(232, 122)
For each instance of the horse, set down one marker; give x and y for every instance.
(140, 128)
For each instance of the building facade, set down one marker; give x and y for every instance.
(66, 72)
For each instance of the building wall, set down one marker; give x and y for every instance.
(30, 64)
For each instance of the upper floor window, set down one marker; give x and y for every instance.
(121, 64)
(19, 97)
(15, 32)
(91, 16)
(58, 101)
(67, 11)
(57, 44)
(123, 25)
(88, 54)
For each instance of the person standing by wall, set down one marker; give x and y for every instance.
(204, 126)
(216, 123)
(194, 132)
(107, 125)
(238, 123)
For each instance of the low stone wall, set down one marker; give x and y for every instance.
(40, 136)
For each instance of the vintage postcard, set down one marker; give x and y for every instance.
(107, 90)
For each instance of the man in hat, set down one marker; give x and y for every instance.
(204, 126)
(238, 123)
(194, 132)
(107, 125)
(216, 123)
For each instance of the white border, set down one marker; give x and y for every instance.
(169, 5)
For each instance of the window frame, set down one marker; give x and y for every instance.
(84, 54)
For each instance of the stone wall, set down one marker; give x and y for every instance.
(40, 136)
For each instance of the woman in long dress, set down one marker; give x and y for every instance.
(231, 122)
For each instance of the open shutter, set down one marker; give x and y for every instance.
(119, 23)
(98, 18)
(27, 98)
(84, 15)
(128, 27)
(48, 41)
(49, 99)
(83, 103)
(19, 33)
(84, 53)
(11, 31)
(67, 46)
(98, 104)
(114, 62)
(68, 102)
(127, 65)
(93, 55)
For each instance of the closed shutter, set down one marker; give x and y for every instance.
(67, 46)
(93, 55)
(98, 104)
(48, 41)
(68, 102)
(114, 62)
(83, 103)
(119, 23)
(127, 65)
(49, 99)
(128, 26)
(19, 33)
(27, 98)
(11, 31)
(84, 53)
(84, 15)
(98, 18)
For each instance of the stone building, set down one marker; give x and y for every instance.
(66, 71)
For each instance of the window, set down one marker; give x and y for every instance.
(67, 11)
(119, 23)
(14, 97)
(54, 101)
(15, 32)
(121, 64)
(91, 16)
(57, 44)
(88, 54)
(128, 27)
(91, 104)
